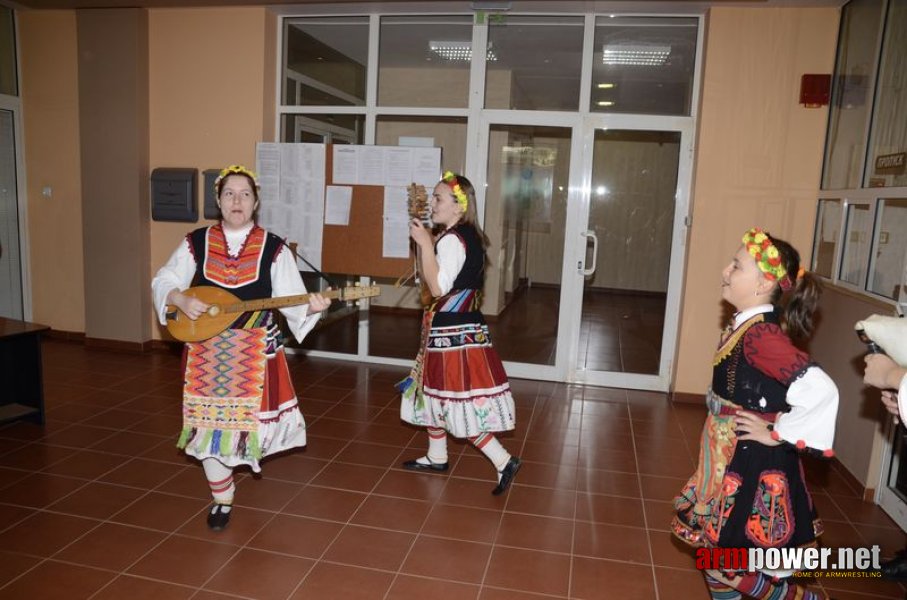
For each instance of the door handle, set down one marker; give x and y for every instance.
(591, 234)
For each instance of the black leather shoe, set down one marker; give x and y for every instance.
(510, 470)
(218, 518)
(896, 568)
(415, 465)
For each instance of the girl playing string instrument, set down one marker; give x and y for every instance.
(458, 385)
(768, 402)
(238, 400)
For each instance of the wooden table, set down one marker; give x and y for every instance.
(21, 384)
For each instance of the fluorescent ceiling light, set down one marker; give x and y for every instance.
(641, 55)
(605, 103)
(606, 86)
(458, 51)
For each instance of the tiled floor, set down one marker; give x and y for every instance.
(99, 504)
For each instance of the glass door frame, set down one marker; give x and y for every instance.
(573, 280)
(13, 105)
(583, 129)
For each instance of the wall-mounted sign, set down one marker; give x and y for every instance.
(891, 164)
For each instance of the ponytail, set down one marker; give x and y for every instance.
(799, 302)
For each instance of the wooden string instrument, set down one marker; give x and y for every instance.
(419, 208)
(224, 308)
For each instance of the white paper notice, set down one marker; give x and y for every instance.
(345, 163)
(337, 201)
(371, 165)
(398, 166)
(426, 163)
(395, 233)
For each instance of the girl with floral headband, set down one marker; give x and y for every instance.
(768, 403)
(458, 384)
(239, 405)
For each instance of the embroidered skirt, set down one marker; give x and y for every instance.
(239, 404)
(743, 493)
(458, 383)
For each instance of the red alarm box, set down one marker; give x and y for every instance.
(814, 89)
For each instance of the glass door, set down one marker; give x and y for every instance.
(629, 239)
(525, 209)
(11, 297)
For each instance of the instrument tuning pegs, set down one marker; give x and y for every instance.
(357, 284)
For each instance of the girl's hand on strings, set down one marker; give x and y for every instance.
(318, 303)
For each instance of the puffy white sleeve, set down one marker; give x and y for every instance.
(176, 273)
(286, 281)
(814, 407)
(451, 255)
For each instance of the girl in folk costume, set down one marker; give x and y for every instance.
(238, 400)
(458, 385)
(768, 402)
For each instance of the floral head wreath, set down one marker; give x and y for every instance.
(236, 170)
(454, 184)
(768, 259)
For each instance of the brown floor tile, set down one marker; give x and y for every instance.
(463, 523)
(13, 564)
(490, 593)
(111, 546)
(258, 574)
(357, 478)
(162, 512)
(535, 533)
(85, 464)
(447, 559)
(399, 435)
(529, 570)
(613, 542)
(35, 457)
(373, 548)
(40, 490)
(661, 488)
(611, 483)
(603, 580)
(264, 494)
(11, 515)
(323, 448)
(10, 476)
(135, 588)
(542, 501)
(297, 536)
(327, 580)
(374, 455)
(335, 428)
(97, 500)
(415, 486)
(680, 584)
(547, 475)
(325, 503)
(125, 443)
(179, 481)
(43, 534)
(406, 587)
(609, 509)
(392, 513)
(52, 580)
(170, 561)
(668, 551)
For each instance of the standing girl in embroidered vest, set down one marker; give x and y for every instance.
(768, 402)
(238, 400)
(458, 385)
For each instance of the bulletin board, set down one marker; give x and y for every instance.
(355, 249)
(293, 181)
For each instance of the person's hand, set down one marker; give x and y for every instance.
(318, 303)
(755, 428)
(419, 233)
(882, 372)
(190, 306)
(890, 400)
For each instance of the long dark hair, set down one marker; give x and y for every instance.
(471, 215)
(798, 303)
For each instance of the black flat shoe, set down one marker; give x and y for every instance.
(507, 475)
(415, 465)
(219, 518)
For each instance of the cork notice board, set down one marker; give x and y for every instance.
(356, 249)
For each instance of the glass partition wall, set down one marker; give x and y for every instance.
(522, 105)
(860, 240)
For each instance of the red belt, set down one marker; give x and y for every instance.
(733, 410)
